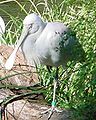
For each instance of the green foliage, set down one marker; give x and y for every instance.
(78, 86)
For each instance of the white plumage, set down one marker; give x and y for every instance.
(2, 28)
(2, 25)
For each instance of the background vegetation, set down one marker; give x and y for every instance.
(77, 88)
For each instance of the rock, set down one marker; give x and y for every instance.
(24, 110)
(64, 115)
(28, 75)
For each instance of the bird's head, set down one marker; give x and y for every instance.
(32, 23)
(31, 19)
(31, 26)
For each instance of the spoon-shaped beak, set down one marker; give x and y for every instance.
(10, 61)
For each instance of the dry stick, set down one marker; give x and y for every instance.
(18, 97)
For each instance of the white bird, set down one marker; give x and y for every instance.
(2, 28)
(44, 43)
(2, 25)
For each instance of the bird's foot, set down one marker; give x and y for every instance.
(51, 111)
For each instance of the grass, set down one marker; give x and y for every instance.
(77, 89)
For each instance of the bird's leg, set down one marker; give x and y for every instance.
(53, 107)
(54, 92)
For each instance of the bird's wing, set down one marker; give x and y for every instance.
(53, 41)
(48, 41)
(52, 36)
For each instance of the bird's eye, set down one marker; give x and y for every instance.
(30, 26)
